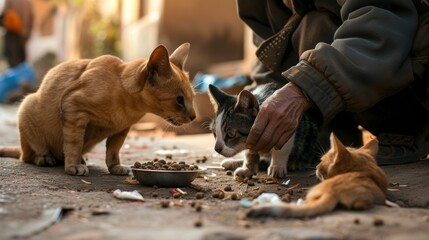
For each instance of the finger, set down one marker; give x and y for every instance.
(273, 139)
(283, 140)
(265, 137)
(256, 131)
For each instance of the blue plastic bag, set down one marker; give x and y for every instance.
(202, 81)
(14, 77)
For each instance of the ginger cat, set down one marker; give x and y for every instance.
(82, 102)
(350, 178)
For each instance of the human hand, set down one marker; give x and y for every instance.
(277, 119)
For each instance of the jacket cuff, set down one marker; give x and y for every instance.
(317, 88)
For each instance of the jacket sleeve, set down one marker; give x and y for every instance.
(367, 61)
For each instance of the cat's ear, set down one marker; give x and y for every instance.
(342, 154)
(371, 147)
(217, 96)
(247, 101)
(180, 55)
(158, 65)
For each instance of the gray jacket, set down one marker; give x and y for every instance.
(346, 55)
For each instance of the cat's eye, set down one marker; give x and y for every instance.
(231, 134)
(180, 100)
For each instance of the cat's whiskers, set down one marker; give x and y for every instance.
(206, 124)
(319, 149)
(197, 85)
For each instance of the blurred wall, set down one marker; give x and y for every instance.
(212, 27)
(216, 34)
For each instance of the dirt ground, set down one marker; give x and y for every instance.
(45, 203)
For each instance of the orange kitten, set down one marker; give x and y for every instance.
(82, 102)
(350, 178)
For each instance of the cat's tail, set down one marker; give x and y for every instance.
(326, 203)
(12, 152)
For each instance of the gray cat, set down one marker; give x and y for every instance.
(234, 118)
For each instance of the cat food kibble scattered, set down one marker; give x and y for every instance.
(378, 222)
(215, 194)
(234, 196)
(155, 194)
(198, 207)
(177, 195)
(229, 173)
(221, 195)
(227, 188)
(165, 204)
(250, 183)
(161, 164)
(198, 223)
(199, 195)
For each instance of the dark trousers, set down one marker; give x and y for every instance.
(15, 49)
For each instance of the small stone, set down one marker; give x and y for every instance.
(356, 221)
(234, 196)
(250, 183)
(229, 173)
(227, 188)
(155, 194)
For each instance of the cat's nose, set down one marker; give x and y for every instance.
(192, 117)
(218, 149)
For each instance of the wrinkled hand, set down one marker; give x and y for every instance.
(277, 119)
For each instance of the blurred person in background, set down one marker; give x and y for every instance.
(17, 19)
(20, 78)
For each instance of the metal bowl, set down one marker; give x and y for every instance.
(165, 178)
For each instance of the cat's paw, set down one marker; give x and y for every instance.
(77, 170)
(265, 211)
(243, 173)
(45, 161)
(277, 171)
(119, 170)
(231, 164)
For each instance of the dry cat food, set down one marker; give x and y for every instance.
(198, 223)
(219, 194)
(198, 207)
(202, 160)
(234, 196)
(165, 204)
(161, 164)
(199, 195)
